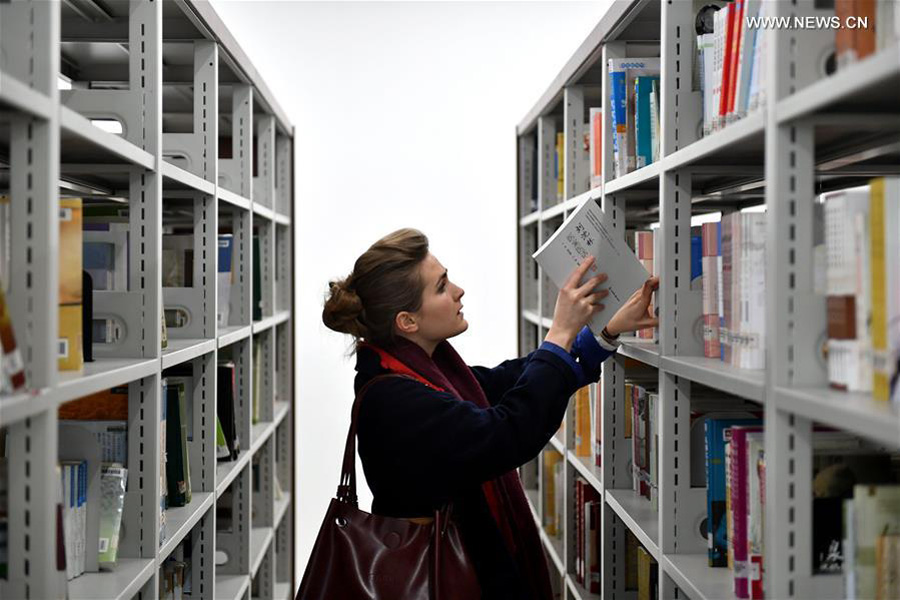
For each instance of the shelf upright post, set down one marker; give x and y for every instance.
(526, 162)
(283, 362)
(33, 300)
(146, 475)
(615, 458)
(33, 294)
(203, 564)
(283, 268)
(236, 173)
(266, 232)
(200, 147)
(235, 542)
(575, 175)
(679, 307)
(546, 135)
(795, 317)
(264, 182)
(284, 157)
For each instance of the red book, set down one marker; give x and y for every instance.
(598, 420)
(579, 530)
(594, 559)
(864, 37)
(726, 60)
(740, 488)
(738, 8)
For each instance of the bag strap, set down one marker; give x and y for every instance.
(346, 491)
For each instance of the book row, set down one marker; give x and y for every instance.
(858, 246)
(727, 457)
(93, 442)
(95, 258)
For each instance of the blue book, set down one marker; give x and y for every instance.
(718, 434)
(696, 260)
(223, 278)
(619, 104)
(643, 88)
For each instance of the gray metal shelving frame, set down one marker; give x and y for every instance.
(810, 133)
(163, 69)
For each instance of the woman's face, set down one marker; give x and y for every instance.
(440, 317)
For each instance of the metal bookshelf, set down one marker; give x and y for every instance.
(813, 133)
(181, 89)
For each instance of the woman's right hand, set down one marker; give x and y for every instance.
(576, 305)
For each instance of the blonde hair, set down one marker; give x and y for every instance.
(384, 282)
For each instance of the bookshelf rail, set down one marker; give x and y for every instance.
(125, 583)
(20, 97)
(638, 516)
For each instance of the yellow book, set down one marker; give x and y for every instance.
(643, 567)
(884, 220)
(70, 242)
(551, 459)
(583, 422)
(70, 356)
(631, 561)
(69, 351)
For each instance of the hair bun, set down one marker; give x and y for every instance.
(343, 308)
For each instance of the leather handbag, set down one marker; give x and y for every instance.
(361, 555)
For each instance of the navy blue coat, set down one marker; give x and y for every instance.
(421, 448)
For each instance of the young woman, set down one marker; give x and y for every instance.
(448, 432)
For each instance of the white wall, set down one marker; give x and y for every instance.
(405, 115)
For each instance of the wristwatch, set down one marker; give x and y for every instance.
(608, 337)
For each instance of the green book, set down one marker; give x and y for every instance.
(178, 472)
(112, 502)
(222, 451)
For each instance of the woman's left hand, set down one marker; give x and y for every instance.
(635, 314)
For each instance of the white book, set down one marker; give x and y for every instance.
(707, 45)
(756, 76)
(754, 356)
(737, 266)
(876, 513)
(862, 379)
(755, 521)
(589, 232)
(720, 24)
(745, 60)
(654, 120)
(841, 208)
(885, 17)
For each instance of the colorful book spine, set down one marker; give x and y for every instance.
(710, 238)
(727, 295)
(643, 245)
(70, 279)
(643, 90)
(618, 104)
(717, 529)
(596, 149)
(740, 500)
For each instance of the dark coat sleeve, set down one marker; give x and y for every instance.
(495, 382)
(413, 438)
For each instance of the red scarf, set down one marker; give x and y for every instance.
(445, 371)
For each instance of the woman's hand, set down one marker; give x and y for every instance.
(575, 305)
(635, 313)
